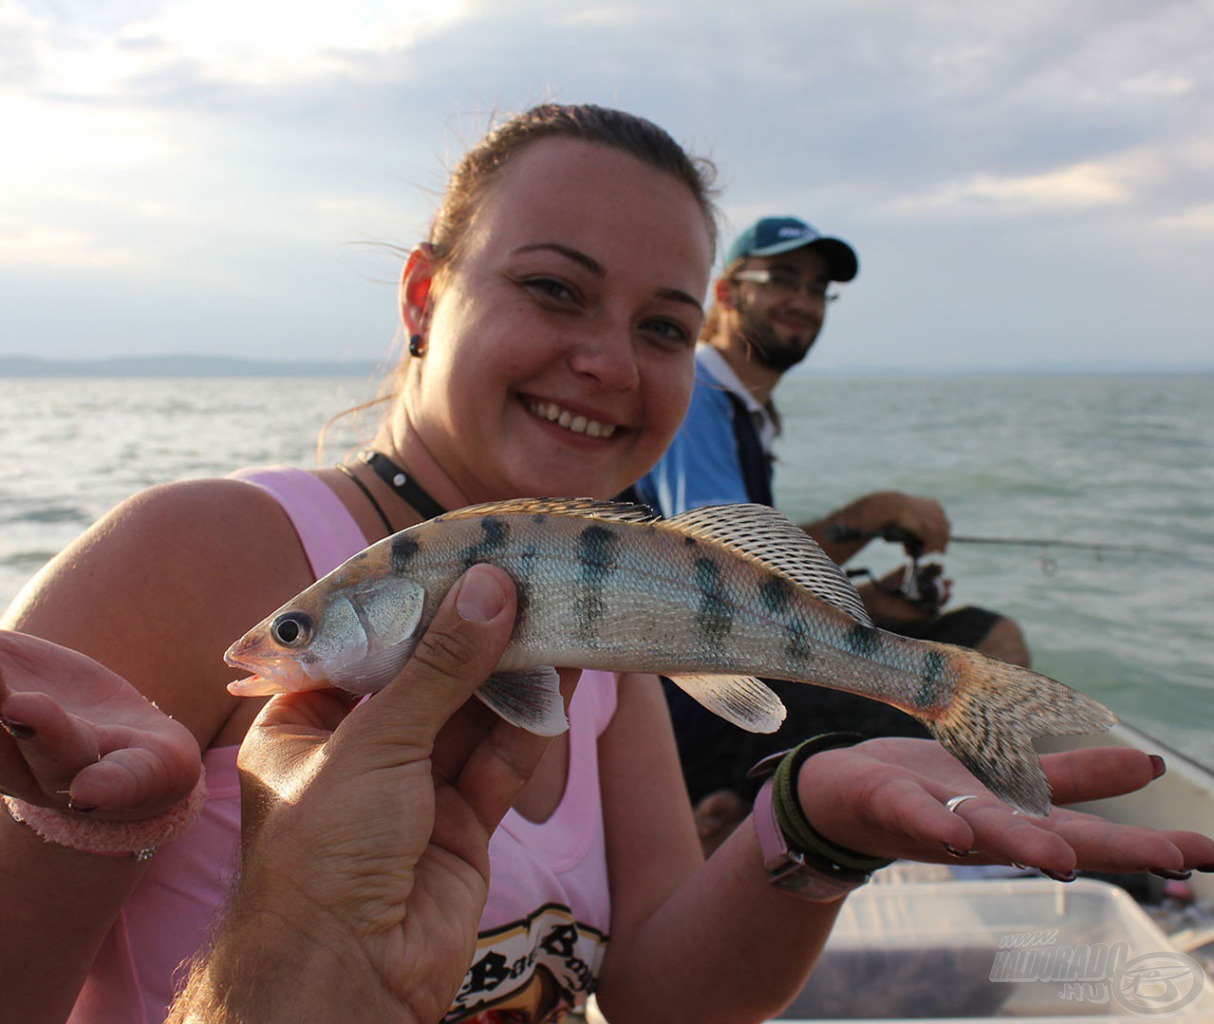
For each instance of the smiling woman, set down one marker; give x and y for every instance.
(552, 315)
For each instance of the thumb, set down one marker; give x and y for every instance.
(458, 651)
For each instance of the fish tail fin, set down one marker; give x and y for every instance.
(996, 712)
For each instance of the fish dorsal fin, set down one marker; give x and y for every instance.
(765, 535)
(581, 508)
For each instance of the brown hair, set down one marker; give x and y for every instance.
(712, 319)
(586, 122)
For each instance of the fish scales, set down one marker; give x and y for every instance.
(711, 599)
(674, 608)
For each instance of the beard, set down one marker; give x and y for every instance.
(768, 347)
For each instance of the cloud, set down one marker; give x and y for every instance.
(226, 153)
(58, 247)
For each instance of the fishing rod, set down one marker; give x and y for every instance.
(1042, 542)
(914, 543)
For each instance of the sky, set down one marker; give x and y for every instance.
(1027, 183)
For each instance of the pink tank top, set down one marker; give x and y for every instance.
(544, 928)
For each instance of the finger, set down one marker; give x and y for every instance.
(286, 731)
(498, 768)
(1098, 773)
(54, 744)
(322, 710)
(135, 782)
(1000, 834)
(458, 652)
(15, 777)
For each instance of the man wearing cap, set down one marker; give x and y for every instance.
(768, 307)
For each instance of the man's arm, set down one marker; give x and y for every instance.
(847, 530)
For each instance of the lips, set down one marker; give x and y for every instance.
(574, 422)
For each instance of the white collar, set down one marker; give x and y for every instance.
(717, 367)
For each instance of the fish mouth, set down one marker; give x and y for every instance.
(574, 422)
(267, 675)
(241, 655)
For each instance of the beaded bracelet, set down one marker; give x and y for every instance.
(135, 839)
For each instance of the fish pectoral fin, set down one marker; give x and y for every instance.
(747, 702)
(376, 670)
(529, 698)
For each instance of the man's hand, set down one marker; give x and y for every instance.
(846, 531)
(367, 832)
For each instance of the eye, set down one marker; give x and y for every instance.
(670, 332)
(550, 288)
(789, 280)
(291, 629)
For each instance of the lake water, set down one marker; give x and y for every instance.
(1115, 460)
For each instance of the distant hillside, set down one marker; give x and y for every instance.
(179, 366)
(225, 366)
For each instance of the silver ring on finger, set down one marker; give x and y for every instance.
(952, 805)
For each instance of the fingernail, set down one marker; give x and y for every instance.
(1176, 876)
(480, 597)
(1060, 876)
(953, 851)
(1157, 766)
(17, 730)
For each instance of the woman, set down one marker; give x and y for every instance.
(551, 319)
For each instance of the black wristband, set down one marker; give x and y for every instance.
(800, 834)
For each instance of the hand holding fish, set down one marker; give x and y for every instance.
(77, 735)
(888, 797)
(367, 833)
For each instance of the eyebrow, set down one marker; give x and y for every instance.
(593, 265)
(596, 268)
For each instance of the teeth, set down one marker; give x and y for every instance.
(553, 413)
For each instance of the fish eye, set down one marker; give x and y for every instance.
(292, 628)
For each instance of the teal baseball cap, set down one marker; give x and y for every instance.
(774, 235)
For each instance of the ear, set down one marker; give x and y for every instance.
(723, 293)
(415, 283)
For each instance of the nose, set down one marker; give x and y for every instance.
(608, 357)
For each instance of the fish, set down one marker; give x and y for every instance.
(713, 598)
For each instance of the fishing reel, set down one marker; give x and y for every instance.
(922, 585)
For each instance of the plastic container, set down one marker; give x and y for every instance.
(1025, 949)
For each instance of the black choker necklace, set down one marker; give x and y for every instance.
(402, 483)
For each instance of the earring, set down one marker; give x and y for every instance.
(415, 346)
